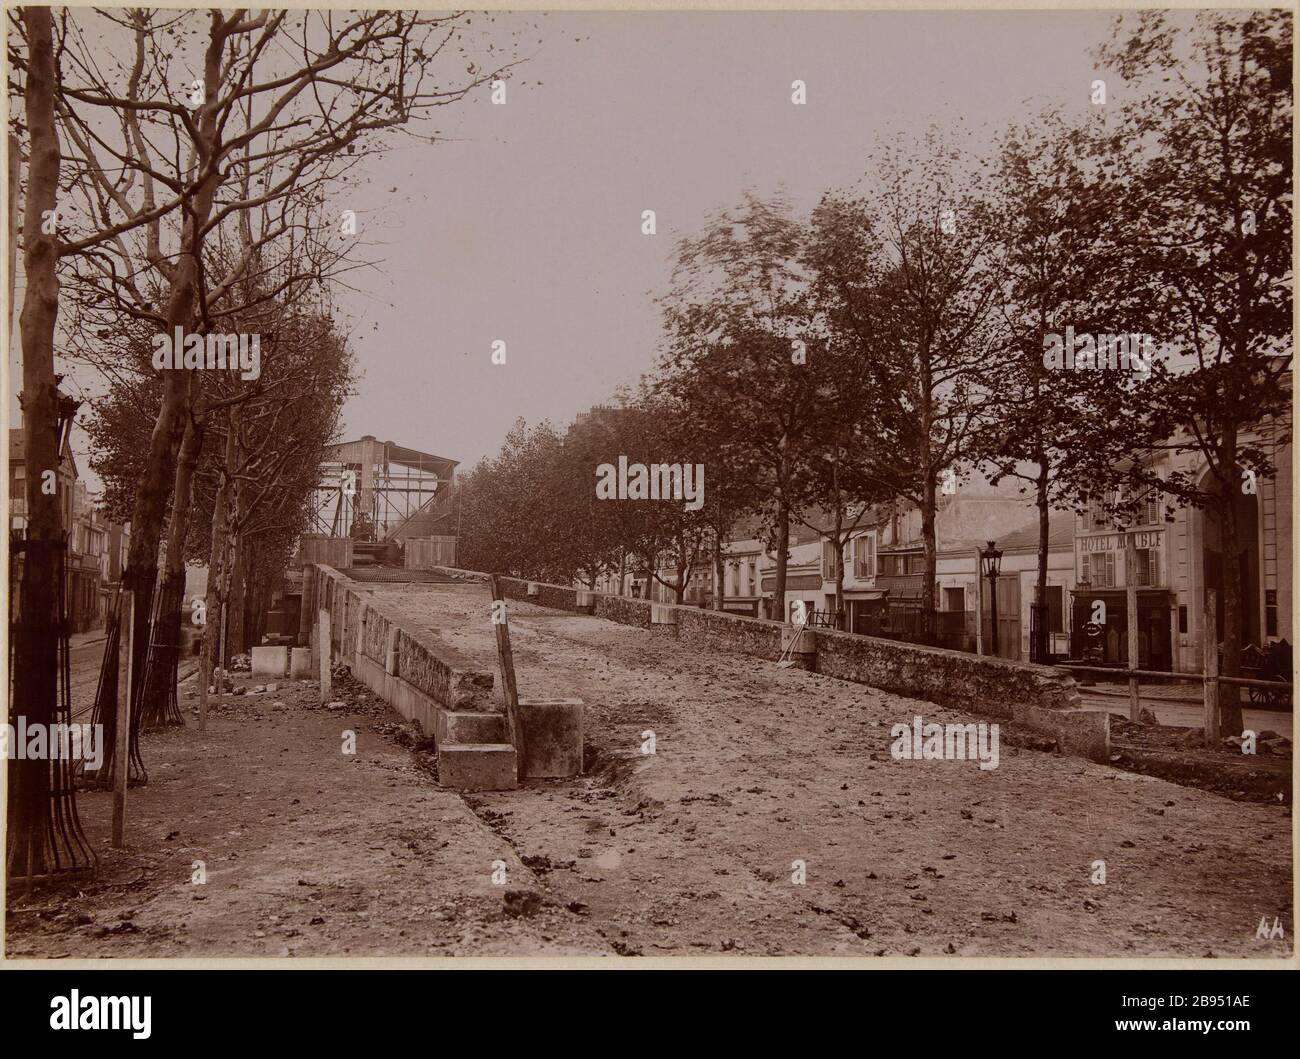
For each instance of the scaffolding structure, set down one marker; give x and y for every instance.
(370, 489)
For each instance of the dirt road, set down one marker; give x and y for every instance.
(760, 778)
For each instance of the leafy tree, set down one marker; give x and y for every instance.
(736, 330)
(1198, 181)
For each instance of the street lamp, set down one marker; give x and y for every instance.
(991, 565)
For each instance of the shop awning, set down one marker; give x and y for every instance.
(793, 582)
(902, 586)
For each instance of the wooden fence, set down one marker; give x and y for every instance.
(424, 553)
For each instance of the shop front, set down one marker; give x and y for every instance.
(1099, 627)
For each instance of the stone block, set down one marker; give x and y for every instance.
(470, 726)
(270, 661)
(551, 731)
(799, 645)
(300, 663)
(478, 766)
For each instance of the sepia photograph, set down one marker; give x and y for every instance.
(649, 487)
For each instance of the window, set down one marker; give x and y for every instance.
(1270, 612)
(954, 599)
(828, 560)
(1147, 573)
(1182, 618)
(864, 556)
(1150, 514)
(1097, 516)
(1099, 569)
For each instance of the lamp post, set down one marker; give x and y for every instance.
(991, 564)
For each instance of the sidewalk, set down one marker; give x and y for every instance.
(1181, 712)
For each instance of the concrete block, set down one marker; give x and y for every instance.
(470, 726)
(478, 766)
(300, 663)
(799, 645)
(586, 601)
(534, 589)
(662, 614)
(551, 731)
(270, 661)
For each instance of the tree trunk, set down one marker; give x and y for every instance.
(839, 567)
(36, 649)
(1230, 720)
(1041, 636)
(782, 557)
(162, 663)
(237, 638)
(931, 559)
(156, 479)
(217, 557)
(719, 573)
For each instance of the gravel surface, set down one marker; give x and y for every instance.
(696, 849)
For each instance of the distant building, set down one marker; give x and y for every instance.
(96, 546)
(1179, 560)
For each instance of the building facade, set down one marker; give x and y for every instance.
(96, 546)
(1177, 561)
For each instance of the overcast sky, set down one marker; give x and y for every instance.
(527, 227)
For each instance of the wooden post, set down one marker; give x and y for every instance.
(122, 751)
(506, 659)
(1210, 647)
(1131, 598)
(323, 643)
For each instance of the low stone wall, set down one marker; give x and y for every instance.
(1041, 698)
(431, 675)
(729, 632)
(619, 609)
(623, 610)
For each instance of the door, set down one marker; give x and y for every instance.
(1008, 601)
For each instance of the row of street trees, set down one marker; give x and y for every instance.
(190, 173)
(833, 366)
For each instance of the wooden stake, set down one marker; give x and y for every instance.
(1131, 597)
(323, 642)
(1210, 647)
(510, 692)
(122, 751)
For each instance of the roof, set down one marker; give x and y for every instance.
(391, 452)
(1060, 535)
(18, 450)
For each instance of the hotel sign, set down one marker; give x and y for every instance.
(1142, 540)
